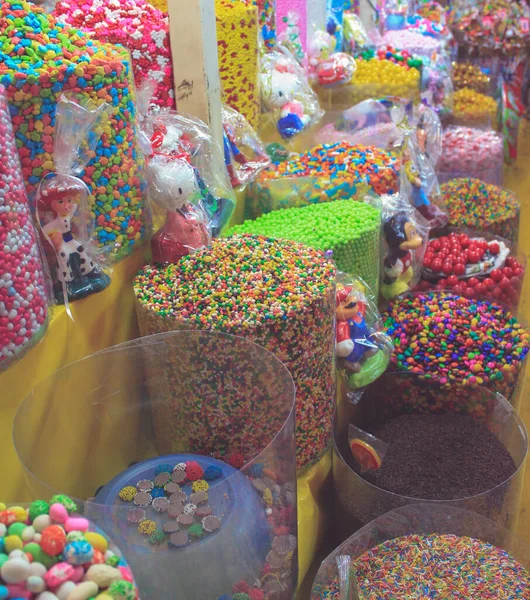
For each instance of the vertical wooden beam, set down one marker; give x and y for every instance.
(193, 40)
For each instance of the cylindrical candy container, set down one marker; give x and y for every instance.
(48, 551)
(237, 42)
(23, 293)
(458, 341)
(474, 109)
(410, 439)
(192, 461)
(286, 304)
(475, 265)
(471, 152)
(466, 75)
(328, 172)
(40, 60)
(423, 551)
(135, 24)
(483, 207)
(349, 230)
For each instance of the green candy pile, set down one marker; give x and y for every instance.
(350, 229)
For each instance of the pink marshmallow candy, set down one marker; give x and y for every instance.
(76, 524)
(58, 513)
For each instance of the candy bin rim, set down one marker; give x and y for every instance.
(338, 455)
(151, 340)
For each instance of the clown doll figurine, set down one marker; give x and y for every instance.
(58, 215)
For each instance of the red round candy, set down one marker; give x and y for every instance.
(496, 274)
(472, 282)
(53, 540)
(436, 245)
(504, 283)
(494, 248)
(447, 268)
(436, 265)
(452, 280)
(507, 272)
(459, 269)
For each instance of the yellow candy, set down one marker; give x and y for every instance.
(97, 541)
(21, 514)
(104, 596)
(12, 542)
(2, 506)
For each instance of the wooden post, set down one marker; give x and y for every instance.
(193, 39)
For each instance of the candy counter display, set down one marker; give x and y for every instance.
(348, 229)
(285, 303)
(482, 207)
(35, 76)
(424, 551)
(48, 551)
(23, 293)
(444, 444)
(226, 499)
(327, 172)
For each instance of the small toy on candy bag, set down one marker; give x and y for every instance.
(327, 67)
(362, 350)
(62, 201)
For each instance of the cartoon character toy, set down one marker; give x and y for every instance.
(75, 271)
(326, 67)
(402, 239)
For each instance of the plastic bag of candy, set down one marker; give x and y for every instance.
(367, 450)
(361, 348)
(328, 68)
(62, 201)
(356, 37)
(429, 132)
(286, 94)
(245, 154)
(404, 240)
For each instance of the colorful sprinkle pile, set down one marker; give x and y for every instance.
(351, 230)
(23, 310)
(328, 172)
(470, 152)
(47, 551)
(237, 42)
(480, 206)
(466, 75)
(135, 24)
(40, 59)
(474, 108)
(452, 339)
(436, 566)
(267, 21)
(276, 293)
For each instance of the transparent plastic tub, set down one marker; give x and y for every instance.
(420, 519)
(163, 400)
(358, 501)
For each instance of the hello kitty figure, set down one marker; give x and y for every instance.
(281, 88)
(172, 184)
(321, 46)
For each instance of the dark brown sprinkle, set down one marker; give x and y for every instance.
(198, 497)
(259, 485)
(172, 488)
(136, 515)
(161, 479)
(275, 559)
(178, 476)
(203, 511)
(170, 527)
(178, 497)
(440, 457)
(175, 510)
(185, 520)
(211, 524)
(178, 539)
(282, 544)
(145, 485)
(142, 499)
(161, 504)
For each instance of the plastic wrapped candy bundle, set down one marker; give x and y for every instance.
(355, 35)
(135, 24)
(292, 318)
(23, 294)
(404, 240)
(361, 349)
(476, 265)
(479, 341)
(62, 201)
(328, 172)
(419, 550)
(328, 68)
(54, 552)
(245, 155)
(483, 207)
(349, 230)
(286, 95)
(471, 152)
(35, 76)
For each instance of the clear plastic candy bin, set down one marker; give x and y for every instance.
(358, 501)
(161, 455)
(430, 520)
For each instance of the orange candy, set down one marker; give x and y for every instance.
(53, 540)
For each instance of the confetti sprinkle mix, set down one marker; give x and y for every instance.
(457, 340)
(276, 293)
(418, 567)
(480, 206)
